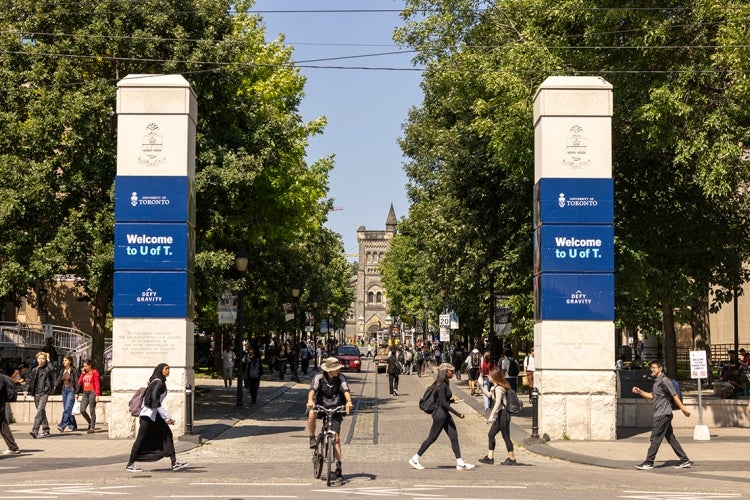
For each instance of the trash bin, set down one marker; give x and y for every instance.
(634, 378)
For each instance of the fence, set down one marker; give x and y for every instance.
(20, 341)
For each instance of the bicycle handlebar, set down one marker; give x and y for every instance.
(330, 411)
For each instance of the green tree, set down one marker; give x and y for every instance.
(255, 190)
(680, 139)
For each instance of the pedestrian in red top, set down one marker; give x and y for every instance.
(90, 385)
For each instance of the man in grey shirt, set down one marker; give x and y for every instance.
(662, 394)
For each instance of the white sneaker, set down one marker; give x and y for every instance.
(12, 452)
(415, 465)
(465, 466)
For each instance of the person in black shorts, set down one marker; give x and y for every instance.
(329, 389)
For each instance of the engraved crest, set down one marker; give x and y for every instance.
(151, 147)
(575, 149)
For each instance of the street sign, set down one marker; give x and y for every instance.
(227, 308)
(445, 320)
(445, 334)
(698, 365)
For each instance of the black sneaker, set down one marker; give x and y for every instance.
(313, 442)
(132, 468)
(644, 466)
(338, 476)
(34, 434)
(179, 465)
(685, 464)
(508, 461)
(487, 460)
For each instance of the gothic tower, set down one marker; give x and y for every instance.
(370, 305)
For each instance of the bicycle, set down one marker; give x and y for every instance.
(324, 451)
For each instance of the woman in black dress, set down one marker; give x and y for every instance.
(154, 440)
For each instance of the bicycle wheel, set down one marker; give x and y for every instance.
(318, 459)
(329, 459)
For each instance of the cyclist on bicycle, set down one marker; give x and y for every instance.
(329, 389)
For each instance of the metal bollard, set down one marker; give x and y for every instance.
(188, 409)
(535, 414)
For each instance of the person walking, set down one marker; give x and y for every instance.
(40, 384)
(528, 367)
(68, 382)
(483, 381)
(281, 360)
(442, 419)
(254, 373)
(393, 368)
(227, 366)
(473, 362)
(510, 369)
(90, 384)
(663, 394)
(7, 386)
(49, 348)
(499, 418)
(154, 440)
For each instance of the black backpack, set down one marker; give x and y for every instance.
(476, 359)
(513, 368)
(514, 404)
(428, 402)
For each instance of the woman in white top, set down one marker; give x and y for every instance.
(528, 367)
(499, 418)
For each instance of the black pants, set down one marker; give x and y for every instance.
(5, 430)
(253, 384)
(501, 425)
(663, 429)
(441, 422)
(392, 383)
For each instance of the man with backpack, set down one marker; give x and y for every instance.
(8, 394)
(511, 369)
(473, 362)
(663, 395)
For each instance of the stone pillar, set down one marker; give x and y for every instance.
(574, 333)
(154, 243)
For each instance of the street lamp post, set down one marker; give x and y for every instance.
(240, 264)
(295, 295)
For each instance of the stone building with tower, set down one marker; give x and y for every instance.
(369, 311)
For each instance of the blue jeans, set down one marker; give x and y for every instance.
(68, 419)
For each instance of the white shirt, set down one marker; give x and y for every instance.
(528, 363)
(228, 358)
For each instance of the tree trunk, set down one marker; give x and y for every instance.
(670, 339)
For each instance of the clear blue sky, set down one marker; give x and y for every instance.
(365, 108)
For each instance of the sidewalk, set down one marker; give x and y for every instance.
(215, 413)
(719, 453)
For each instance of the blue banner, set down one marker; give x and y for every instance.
(574, 201)
(169, 246)
(569, 248)
(154, 199)
(588, 297)
(153, 294)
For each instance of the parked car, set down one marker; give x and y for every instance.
(349, 357)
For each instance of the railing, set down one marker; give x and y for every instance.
(17, 339)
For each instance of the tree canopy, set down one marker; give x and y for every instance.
(59, 65)
(680, 146)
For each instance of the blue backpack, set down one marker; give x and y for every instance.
(676, 387)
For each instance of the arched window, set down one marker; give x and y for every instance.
(379, 298)
(369, 297)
